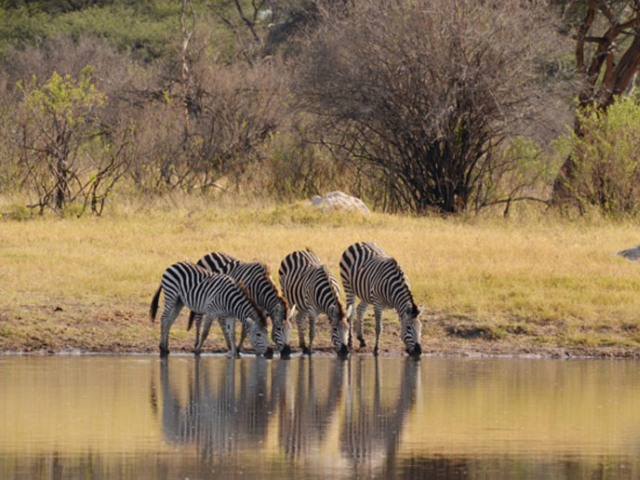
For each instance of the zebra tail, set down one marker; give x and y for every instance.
(154, 304)
(192, 316)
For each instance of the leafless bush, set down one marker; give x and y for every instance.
(234, 111)
(422, 93)
(295, 168)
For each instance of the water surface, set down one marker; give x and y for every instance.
(142, 417)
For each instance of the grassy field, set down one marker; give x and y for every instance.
(535, 285)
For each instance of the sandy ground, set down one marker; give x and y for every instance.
(95, 329)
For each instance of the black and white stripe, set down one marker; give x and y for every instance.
(376, 278)
(256, 278)
(312, 289)
(210, 294)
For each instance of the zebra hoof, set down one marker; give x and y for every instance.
(306, 351)
(362, 342)
(285, 353)
(164, 352)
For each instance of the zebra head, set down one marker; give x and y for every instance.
(339, 330)
(281, 328)
(259, 337)
(412, 328)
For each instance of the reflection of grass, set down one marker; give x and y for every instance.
(534, 280)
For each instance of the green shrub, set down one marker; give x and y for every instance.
(607, 158)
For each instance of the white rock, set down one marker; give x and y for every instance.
(339, 201)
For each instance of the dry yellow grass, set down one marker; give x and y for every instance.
(519, 285)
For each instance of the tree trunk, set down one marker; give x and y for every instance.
(604, 78)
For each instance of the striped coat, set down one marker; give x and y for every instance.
(256, 278)
(376, 278)
(213, 295)
(313, 290)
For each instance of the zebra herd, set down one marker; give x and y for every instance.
(220, 286)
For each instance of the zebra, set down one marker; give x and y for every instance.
(312, 289)
(215, 295)
(256, 278)
(368, 272)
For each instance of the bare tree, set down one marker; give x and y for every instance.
(239, 107)
(424, 93)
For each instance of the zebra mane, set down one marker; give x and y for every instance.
(334, 288)
(261, 314)
(405, 281)
(267, 275)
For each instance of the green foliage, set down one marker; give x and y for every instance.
(16, 212)
(148, 27)
(607, 158)
(66, 161)
(64, 100)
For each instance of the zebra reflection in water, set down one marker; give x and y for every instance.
(329, 414)
(373, 425)
(220, 415)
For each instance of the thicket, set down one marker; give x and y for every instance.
(447, 107)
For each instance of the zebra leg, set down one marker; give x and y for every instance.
(300, 322)
(208, 320)
(231, 331)
(362, 307)
(243, 335)
(223, 327)
(169, 316)
(350, 302)
(312, 331)
(197, 317)
(378, 315)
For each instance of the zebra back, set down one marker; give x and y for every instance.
(219, 262)
(368, 272)
(231, 296)
(181, 278)
(308, 284)
(254, 276)
(201, 290)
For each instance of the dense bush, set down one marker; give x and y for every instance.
(607, 159)
(425, 95)
(412, 108)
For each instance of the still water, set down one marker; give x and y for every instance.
(100, 417)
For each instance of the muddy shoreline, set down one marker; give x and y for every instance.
(91, 329)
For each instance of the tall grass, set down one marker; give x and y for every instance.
(557, 281)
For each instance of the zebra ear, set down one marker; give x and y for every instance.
(411, 309)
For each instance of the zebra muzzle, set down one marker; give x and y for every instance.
(416, 352)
